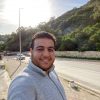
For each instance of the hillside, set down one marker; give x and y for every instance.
(88, 14)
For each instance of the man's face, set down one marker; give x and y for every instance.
(43, 53)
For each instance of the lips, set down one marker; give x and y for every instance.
(45, 61)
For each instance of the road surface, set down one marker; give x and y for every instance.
(84, 72)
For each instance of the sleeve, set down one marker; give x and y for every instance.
(22, 93)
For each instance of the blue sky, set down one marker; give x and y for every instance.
(33, 12)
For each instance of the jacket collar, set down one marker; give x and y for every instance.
(39, 70)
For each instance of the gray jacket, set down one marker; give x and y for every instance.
(34, 84)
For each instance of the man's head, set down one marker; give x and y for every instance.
(43, 50)
(43, 34)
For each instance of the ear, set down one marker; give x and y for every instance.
(31, 50)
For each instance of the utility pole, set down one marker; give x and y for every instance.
(20, 41)
(20, 47)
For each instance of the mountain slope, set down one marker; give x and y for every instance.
(77, 18)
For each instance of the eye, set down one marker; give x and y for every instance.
(40, 49)
(51, 49)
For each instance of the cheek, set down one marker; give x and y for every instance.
(53, 55)
(36, 55)
(35, 58)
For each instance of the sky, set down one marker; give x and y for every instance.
(32, 12)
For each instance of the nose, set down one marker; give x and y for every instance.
(46, 53)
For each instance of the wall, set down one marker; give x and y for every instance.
(85, 54)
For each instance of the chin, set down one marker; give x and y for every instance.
(46, 68)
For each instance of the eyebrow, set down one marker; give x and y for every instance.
(43, 47)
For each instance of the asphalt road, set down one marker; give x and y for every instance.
(83, 72)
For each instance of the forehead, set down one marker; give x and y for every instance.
(45, 42)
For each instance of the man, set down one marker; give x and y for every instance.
(38, 81)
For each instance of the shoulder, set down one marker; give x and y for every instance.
(24, 79)
(21, 93)
(21, 88)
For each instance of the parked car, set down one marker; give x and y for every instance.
(20, 56)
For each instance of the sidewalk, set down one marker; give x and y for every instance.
(4, 83)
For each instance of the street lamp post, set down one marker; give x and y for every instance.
(20, 47)
(20, 44)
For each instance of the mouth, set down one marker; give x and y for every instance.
(45, 61)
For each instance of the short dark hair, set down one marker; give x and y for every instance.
(43, 34)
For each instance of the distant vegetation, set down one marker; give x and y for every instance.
(76, 30)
